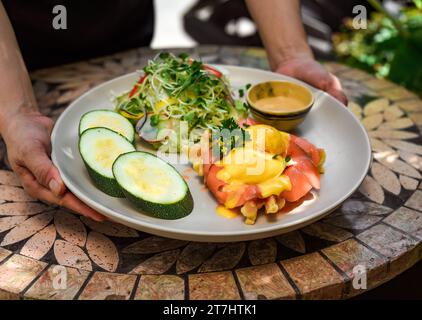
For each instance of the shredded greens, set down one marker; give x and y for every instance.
(179, 88)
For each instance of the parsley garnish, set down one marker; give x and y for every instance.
(229, 136)
(154, 120)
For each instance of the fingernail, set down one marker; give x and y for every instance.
(54, 187)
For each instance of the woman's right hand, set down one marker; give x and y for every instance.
(27, 137)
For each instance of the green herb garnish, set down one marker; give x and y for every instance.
(229, 136)
(154, 120)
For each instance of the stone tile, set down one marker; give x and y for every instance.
(378, 84)
(355, 74)
(407, 220)
(414, 105)
(353, 221)
(108, 286)
(334, 67)
(397, 93)
(255, 52)
(350, 254)
(4, 295)
(415, 201)
(4, 253)
(17, 273)
(161, 287)
(405, 261)
(408, 183)
(265, 282)
(401, 250)
(386, 240)
(327, 232)
(57, 283)
(314, 276)
(416, 117)
(213, 286)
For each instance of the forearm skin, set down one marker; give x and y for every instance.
(281, 29)
(16, 94)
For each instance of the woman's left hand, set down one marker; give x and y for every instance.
(312, 72)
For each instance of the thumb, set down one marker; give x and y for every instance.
(334, 88)
(339, 95)
(44, 171)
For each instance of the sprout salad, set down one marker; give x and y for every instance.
(177, 88)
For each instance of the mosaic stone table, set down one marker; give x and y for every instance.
(379, 227)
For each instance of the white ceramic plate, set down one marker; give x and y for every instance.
(329, 125)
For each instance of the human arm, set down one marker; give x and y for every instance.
(26, 131)
(281, 29)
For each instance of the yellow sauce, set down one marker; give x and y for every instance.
(249, 166)
(226, 213)
(275, 186)
(268, 139)
(280, 104)
(260, 163)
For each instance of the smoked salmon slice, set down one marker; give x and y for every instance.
(240, 196)
(305, 165)
(216, 185)
(294, 150)
(312, 151)
(300, 184)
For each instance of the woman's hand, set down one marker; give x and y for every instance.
(27, 137)
(312, 72)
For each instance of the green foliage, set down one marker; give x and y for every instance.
(389, 48)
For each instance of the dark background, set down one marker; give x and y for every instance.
(407, 286)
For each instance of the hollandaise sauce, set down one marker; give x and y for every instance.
(226, 213)
(280, 104)
(248, 166)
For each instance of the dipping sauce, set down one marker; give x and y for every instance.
(280, 103)
(280, 98)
